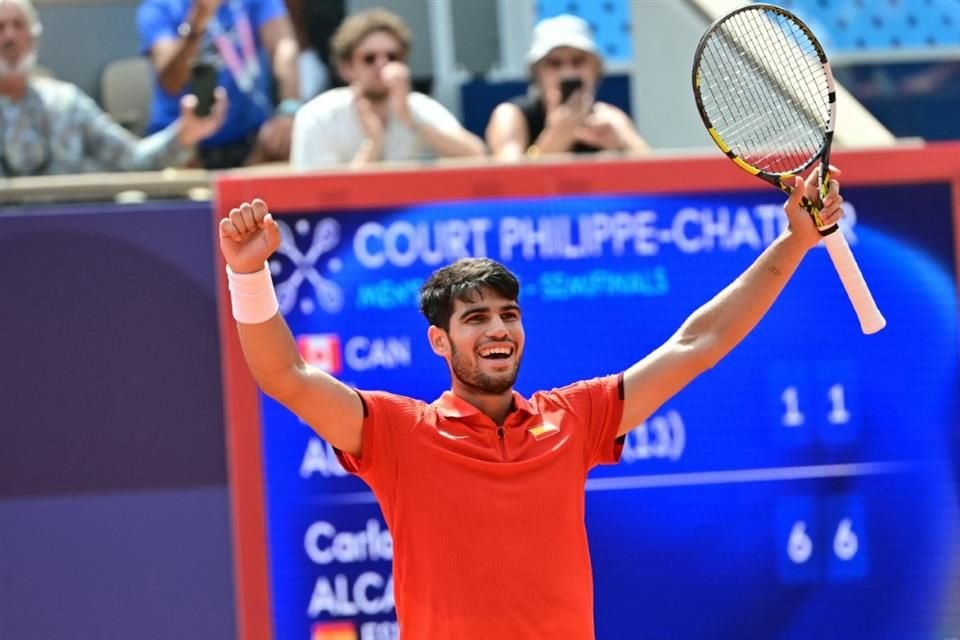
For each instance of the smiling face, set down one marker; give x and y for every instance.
(484, 344)
(16, 40)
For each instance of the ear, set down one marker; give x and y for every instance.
(439, 341)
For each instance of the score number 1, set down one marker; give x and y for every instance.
(793, 417)
(811, 401)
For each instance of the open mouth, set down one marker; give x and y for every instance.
(498, 352)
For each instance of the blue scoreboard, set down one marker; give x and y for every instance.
(805, 487)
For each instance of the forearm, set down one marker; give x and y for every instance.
(633, 142)
(553, 140)
(116, 149)
(720, 324)
(285, 69)
(451, 144)
(173, 65)
(370, 151)
(165, 148)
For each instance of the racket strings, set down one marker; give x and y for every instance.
(771, 124)
(765, 90)
(756, 122)
(791, 131)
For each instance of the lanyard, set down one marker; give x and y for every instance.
(243, 65)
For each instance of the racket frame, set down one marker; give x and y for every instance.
(871, 320)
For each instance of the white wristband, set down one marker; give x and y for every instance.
(252, 297)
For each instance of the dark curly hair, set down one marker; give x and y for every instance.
(459, 281)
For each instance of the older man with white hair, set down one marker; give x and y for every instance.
(51, 127)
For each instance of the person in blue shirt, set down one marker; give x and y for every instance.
(50, 127)
(253, 46)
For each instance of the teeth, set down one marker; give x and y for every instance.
(496, 351)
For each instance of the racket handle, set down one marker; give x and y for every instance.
(871, 320)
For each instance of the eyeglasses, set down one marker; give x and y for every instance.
(371, 58)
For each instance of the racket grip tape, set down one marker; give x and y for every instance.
(871, 320)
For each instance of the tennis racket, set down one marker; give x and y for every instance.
(765, 92)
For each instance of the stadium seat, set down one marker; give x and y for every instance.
(125, 92)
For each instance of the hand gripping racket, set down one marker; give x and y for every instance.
(765, 92)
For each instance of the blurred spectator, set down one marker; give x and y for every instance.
(51, 127)
(543, 121)
(314, 23)
(377, 117)
(238, 37)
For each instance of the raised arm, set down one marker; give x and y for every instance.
(248, 236)
(280, 42)
(172, 56)
(116, 149)
(719, 325)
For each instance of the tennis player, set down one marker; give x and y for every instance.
(483, 489)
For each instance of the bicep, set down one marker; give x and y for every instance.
(657, 378)
(330, 407)
(507, 133)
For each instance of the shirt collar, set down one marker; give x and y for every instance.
(452, 406)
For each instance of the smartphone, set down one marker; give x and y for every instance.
(203, 80)
(568, 86)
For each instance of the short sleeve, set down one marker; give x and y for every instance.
(599, 403)
(263, 11)
(387, 419)
(156, 21)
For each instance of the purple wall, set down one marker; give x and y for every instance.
(114, 518)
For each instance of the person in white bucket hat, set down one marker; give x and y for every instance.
(559, 113)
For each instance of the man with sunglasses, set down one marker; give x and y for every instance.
(550, 120)
(377, 117)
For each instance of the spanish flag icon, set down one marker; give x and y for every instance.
(545, 430)
(333, 631)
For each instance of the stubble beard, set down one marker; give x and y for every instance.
(471, 377)
(376, 95)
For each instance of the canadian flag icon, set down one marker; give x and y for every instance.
(321, 350)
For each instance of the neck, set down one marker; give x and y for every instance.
(13, 86)
(494, 406)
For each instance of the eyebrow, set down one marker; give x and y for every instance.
(486, 309)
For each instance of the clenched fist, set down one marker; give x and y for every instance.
(248, 236)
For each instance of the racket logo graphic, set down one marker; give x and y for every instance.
(765, 91)
(327, 293)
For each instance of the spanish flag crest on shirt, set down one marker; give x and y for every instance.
(544, 430)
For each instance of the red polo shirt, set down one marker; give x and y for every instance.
(488, 522)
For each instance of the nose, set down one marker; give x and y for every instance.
(497, 328)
